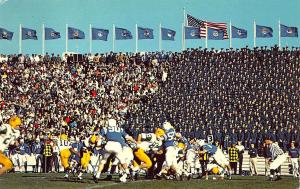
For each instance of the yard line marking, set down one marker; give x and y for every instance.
(112, 184)
(101, 186)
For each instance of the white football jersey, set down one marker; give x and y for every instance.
(63, 144)
(149, 142)
(145, 145)
(7, 136)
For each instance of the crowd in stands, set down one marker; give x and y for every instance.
(228, 95)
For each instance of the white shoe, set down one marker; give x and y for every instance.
(123, 178)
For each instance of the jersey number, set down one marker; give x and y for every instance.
(114, 129)
(170, 135)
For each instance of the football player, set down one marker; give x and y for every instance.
(8, 135)
(145, 143)
(214, 169)
(85, 152)
(217, 154)
(170, 145)
(65, 148)
(191, 157)
(114, 136)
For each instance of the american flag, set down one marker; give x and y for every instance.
(195, 22)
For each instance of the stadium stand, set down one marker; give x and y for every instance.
(228, 95)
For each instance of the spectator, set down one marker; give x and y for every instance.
(253, 159)
(37, 148)
(24, 152)
(55, 157)
(241, 150)
(294, 157)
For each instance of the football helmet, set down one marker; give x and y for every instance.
(14, 121)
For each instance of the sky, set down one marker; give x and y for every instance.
(146, 13)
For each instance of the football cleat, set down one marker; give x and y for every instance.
(123, 178)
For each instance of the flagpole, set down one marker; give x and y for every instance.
(113, 38)
(184, 17)
(20, 39)
(279, 35)
(159, 42)
(76, 40)
(90, 38)
(67, 36)
(43, 39)
(206, 39)
(183, 41)
(230, 35)
(254, 36)
(136, 38)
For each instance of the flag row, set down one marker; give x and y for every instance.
(196, 29)
(96, 34)
(218, 31)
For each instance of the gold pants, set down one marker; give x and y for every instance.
(64, 157)
(5, 161)
(85, 159)
(142, 157)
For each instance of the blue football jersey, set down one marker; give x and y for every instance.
(211, 149)
(115, 134)
(170, 138)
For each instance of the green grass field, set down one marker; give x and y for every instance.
(47, 181)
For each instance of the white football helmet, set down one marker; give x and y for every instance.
(201, 142)
(167, 125)
(112, 122)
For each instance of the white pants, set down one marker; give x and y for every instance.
(93, 163)
(171, 156)
(22, 159)
(31, 160)
(181, 168)
(295, 166)
(113, 147)
(277, 162)
(220, 158)
(191, 157)
(127, 155)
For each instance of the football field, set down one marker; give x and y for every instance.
(47, 181)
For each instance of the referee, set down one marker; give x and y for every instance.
(233, 154)
(277, 158)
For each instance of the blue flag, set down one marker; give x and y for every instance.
(51, 34)
(192, 32)
(74, 33)
(99, 34)
(145, 33)
(286, 31)
(215, 34)
(5, 34)
(238, 32)
(168, 34)
(264, 31)
(28, 34)
(122, 34)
